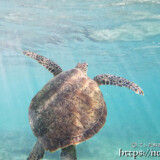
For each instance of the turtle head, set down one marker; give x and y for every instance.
(83, 67)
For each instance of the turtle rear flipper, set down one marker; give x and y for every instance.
(69, 153)
(108, 79)
(51, 66)
(37, 152)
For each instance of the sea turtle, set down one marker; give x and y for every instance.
(69, 109)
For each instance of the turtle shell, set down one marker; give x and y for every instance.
(68, 110)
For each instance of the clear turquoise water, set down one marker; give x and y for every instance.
(113, 37)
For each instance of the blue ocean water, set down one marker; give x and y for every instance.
(113, 37)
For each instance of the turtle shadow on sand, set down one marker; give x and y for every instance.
(69, 109)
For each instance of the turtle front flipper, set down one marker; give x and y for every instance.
(37, 152)
(54, 68)
(108, 79)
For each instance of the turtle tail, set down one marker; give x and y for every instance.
(108, 79)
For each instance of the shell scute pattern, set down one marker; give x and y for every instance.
(74, 107)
